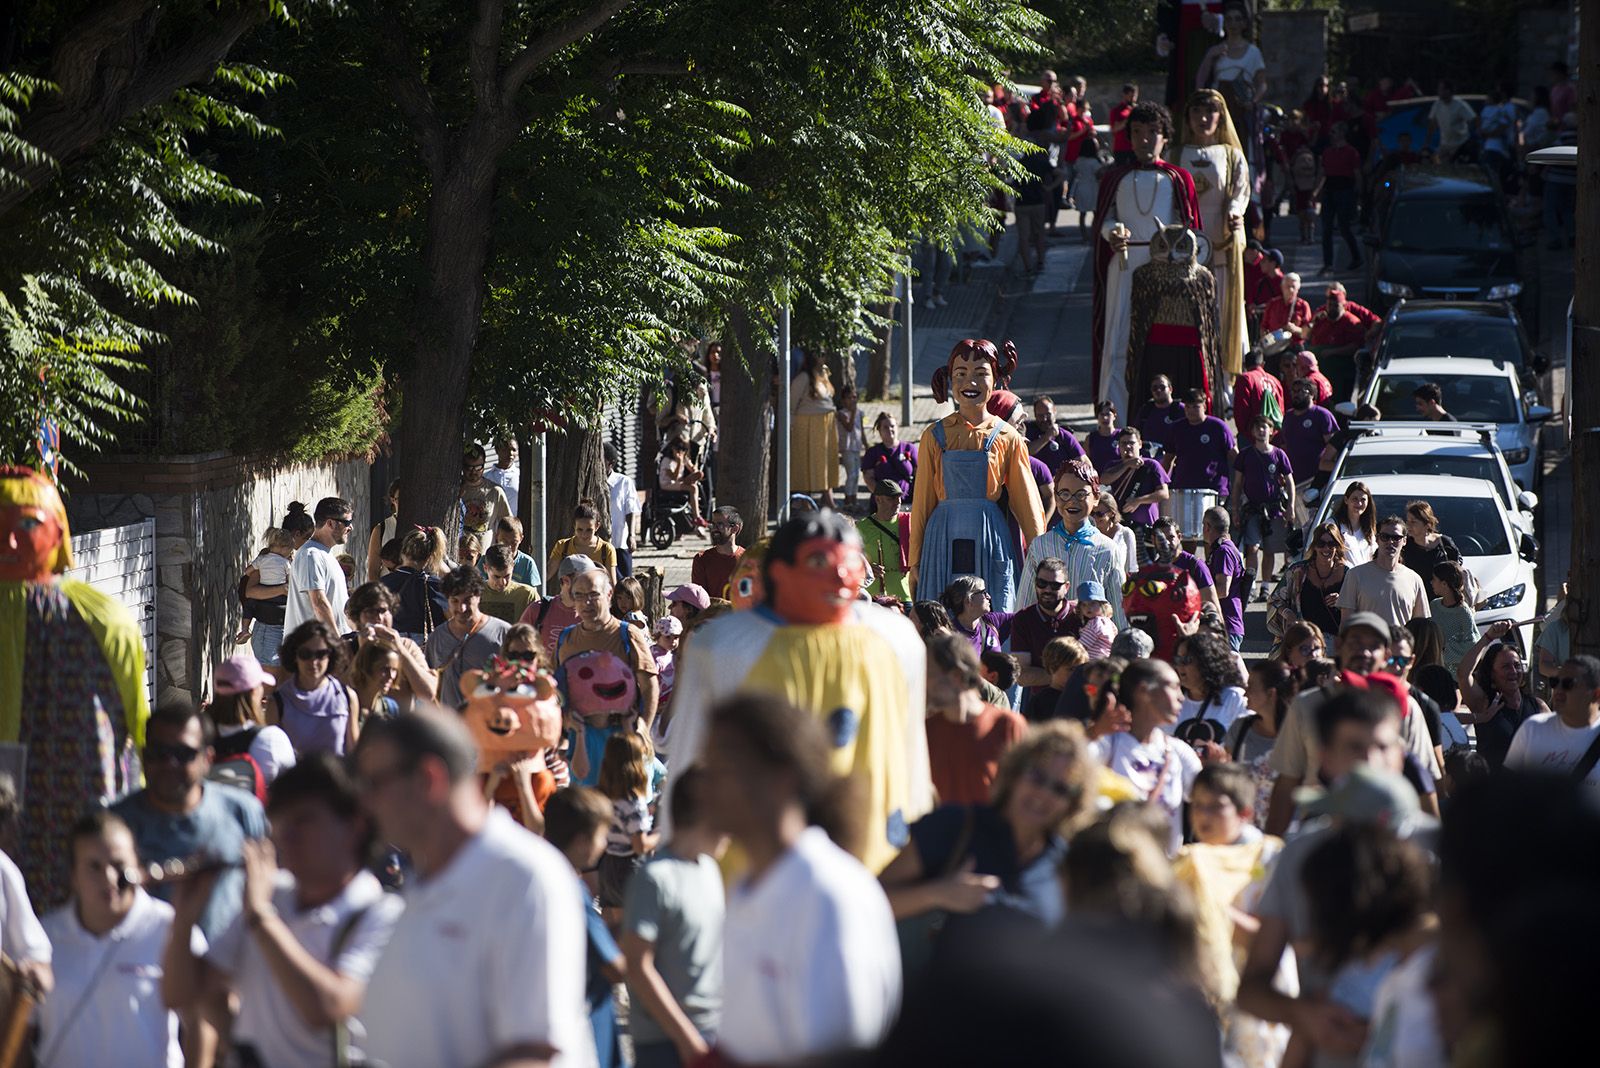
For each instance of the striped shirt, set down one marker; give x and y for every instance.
(1098, 559)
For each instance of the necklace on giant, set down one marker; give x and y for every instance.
(1146, 211)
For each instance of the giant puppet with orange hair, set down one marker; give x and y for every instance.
(71, 680)
(967, 459)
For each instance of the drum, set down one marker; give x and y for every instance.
(1189, 509)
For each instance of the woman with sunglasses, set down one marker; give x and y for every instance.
(1404, 662)
(1301, 644)
(1309, 589)
(1493, 684)
(968, 600)
(316, 710)
(1004, 854)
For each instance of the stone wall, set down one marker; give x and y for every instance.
(1295, 46)
(210, 513)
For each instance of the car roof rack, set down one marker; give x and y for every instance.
(1486, 432)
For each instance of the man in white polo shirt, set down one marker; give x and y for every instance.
(317, 586)
(300, 952)
(107, 1006)
(487, 964)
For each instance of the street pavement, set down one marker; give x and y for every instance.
(1049, 315)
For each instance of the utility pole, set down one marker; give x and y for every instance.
(908, 352)
(784, 423)
(1583, 381)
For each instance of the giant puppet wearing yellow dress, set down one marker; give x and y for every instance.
(967, 459)
(71, 680)
(857, 666)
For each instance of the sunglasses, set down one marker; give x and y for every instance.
(1043, 584)
(312, 654)
(1400, 661)
(1061, 790)
(1326, 544)
(1391, 537)
(161, 753)
(344, 522)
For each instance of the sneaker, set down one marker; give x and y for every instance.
(940, 301)
(929, 304)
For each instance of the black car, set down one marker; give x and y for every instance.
(1443, 234)
(1481, 329)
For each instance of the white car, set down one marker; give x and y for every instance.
(1470, 511)
(1475, 391)
(1462, 450)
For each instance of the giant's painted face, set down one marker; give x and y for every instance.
(514, 710)
(29, 539)
(745, 587)
(822, 583)
(971, 382)
(1155, 599)
(600, 682)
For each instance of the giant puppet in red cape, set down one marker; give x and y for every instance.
(1136, 200)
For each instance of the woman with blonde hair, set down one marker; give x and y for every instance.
(814, 451)
(1212, 153)
(1309, 589)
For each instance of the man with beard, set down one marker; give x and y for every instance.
(1307, 429)
(1135, 202)
(609, 649)
(1031, 629)
(469, 638)
(714, 566)
(1088, 555)
(1166, 547)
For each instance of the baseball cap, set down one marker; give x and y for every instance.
(239, 673)
(1091, 590)
(692, 595)
(670, 625)
(573, 566)
(888, 488)
(1371, 620)
(1367, 795)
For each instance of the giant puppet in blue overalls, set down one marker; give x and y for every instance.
(966, 460)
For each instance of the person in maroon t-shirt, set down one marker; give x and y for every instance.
(1341, 173)
(1338, 330)
(966, 737)
(1121, 142)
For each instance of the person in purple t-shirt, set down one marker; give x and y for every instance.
(1138, 484)
(1307, 428)
(1048, 443)
(1258, 507)
(1101, 442)
(1226, 565)
(1204, 448)
(1166, 547)
(1160, 414)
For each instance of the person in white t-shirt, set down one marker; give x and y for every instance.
(811, 960)
(487, 963)
(1555, 742)
(624, 499)
(317, 586)
(1159, 766)
(21, 937)
(300, 952)
(107, 1006)
(1454, 119)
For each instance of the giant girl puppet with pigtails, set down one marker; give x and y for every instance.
(967, 459)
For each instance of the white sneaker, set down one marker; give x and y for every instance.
(940, 301)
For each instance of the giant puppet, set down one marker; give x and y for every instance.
(1173, 332)
(1136, 201)
(857, 666)
(514, 713)
(72, 686)
(1186, 30)
(967, 460)
(1215, 160)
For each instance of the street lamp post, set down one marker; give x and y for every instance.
(907, 350)
(785, 425)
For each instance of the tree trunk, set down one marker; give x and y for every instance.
(448, 314)
(1583, 363)
(878, 367)
(744, 451)
(576, 469)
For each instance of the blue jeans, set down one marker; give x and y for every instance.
(1236, 640)
(264, 641)
(624, 562)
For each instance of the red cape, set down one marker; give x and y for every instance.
(1188, 208)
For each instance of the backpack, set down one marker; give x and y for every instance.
(234, 766)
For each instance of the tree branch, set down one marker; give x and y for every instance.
(655, 66)
(552, 41)
(410, 94)
(483, 52)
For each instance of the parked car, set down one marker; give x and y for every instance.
(1500, 557)
(1478, 329)
(1443, 233)
(1475, 391)
(1456, 450)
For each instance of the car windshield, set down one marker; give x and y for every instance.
(1382, 463)
(1478, 336)
(1470, 398)
(1429, 225)
(1475, 524)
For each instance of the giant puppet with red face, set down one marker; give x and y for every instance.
(857, 666)
(968, 459)
(514, 715)
(72, 686)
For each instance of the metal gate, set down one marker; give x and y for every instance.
(121, 561)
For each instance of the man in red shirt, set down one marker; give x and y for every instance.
(1121, 142)
(966, 737)
(1338, 330)
(1255, 392)
(1341, 171)
(1287, 311)
(713, 567)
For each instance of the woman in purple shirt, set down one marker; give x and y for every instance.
(891, 458)
(1101, 442)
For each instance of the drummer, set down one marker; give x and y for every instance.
(1287, 311)
(1203, 451)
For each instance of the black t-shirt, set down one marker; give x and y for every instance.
(1423, 561)
(1039, 174)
